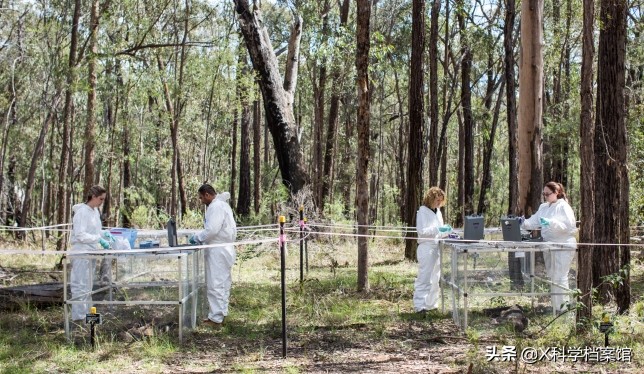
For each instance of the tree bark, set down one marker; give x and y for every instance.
(610, 147)
(586, 153)
(363, 119)
(416, 125)
(332, 119)
(89, 139)
(31, 176)
(468, 120)
(486, 180)
(257, 181)
(243, 197)
(65, 151)
(530, 107)
(434, 160)
(511, 104)
(277, 99)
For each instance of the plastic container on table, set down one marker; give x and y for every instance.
(129, 234)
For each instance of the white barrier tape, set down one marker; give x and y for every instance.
(479, 241)
(135, 250)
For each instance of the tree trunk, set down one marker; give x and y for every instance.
(610, 147)
(277, 99)
(243, 198)
(416, 125)
(530, 107)
(65, 151)
(363, 119)
(126, 172)
(233, 157)
(434, 160)
(332, 119)
(511, 104)
(31, 176)
(468, 120)
(486, 180)
(89, 139)
(586, 153)
(257, 181)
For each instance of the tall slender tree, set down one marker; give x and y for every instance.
(610, 147)
(586, 134)
(363, 118)
(416, 123)
(530, 107)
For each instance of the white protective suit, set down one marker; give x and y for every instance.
(86, 232)
(219, 227)
(426, 287)
(562, 229)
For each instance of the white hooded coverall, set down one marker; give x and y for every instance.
(219, 227)
(426, 287)
(562, 229)
(86, 231)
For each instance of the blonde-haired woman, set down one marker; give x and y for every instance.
(430, 227)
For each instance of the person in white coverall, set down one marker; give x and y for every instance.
(557, 222)
(86, 236)
(219, 227)
(430, 227)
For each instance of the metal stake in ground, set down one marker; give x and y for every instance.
(282, 242)
(92, 319)
(301, 243)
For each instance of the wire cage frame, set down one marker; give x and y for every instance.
(156, 281)
(475, 272)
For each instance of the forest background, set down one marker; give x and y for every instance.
(151, 99)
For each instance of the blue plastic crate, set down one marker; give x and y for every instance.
(129, 234)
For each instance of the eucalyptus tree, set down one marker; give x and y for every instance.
(277, 95)
(586, 135)
(414, 189)
(530, 107)
(337, 70)
(610, 163)
(363, 11)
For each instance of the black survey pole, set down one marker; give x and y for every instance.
(283, 282)
(301, 243)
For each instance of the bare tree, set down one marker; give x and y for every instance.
(277, 98)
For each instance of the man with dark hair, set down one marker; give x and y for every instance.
(219, 228)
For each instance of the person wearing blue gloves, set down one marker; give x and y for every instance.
(557, 221)
(86, 236)
(219, 228)
(429, 227)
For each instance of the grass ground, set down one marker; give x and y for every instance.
(331, 327)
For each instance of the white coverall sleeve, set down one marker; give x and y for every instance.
(564, 221)
(81, 225)
(215, 217)
(424, 227)
(533, 222)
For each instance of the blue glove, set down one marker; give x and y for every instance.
(193, 240)
(544, 222)
(445, 228)
(108, 236)
(104, 243)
